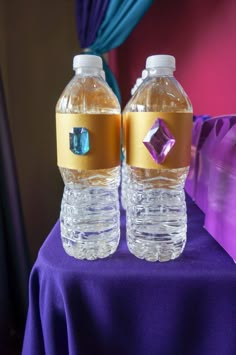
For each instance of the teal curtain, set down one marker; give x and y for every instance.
(118, 20)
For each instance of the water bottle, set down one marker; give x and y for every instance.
(158, 129)
(88, 156)
(124, 171)
(139, 82)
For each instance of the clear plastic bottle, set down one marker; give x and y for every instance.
(90, 217)
(156, 207)
(124, 174)
(124, 180)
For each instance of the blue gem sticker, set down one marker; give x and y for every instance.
(79, 140)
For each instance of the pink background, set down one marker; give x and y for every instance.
(201, 35)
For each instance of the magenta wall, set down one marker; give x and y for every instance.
(201, 35)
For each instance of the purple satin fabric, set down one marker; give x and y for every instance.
(190, 183)
(123, 305)
(221, 210)
(212, 177)
(219, 129)
(89, 15)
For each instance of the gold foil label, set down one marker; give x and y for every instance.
(104, 141)
(137, 124)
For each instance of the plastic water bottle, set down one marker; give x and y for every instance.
(139, 82)
(124, 170)
(158, 128)
(88, 154)
(124, 180)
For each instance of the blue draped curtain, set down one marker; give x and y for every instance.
(103, 25)
(14, 259)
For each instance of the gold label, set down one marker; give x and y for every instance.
(137, 125)
(104, 141)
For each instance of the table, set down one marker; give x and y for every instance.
(126, 306)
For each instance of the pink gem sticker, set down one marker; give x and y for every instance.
(159, 141)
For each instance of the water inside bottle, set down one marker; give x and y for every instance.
(90, 217)
(155, 199)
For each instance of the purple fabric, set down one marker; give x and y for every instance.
(205, 131)
(190, 184)
(123, 305)
(89, 15)
(221, 212)
(220, 128)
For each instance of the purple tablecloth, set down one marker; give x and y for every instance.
(126, 306)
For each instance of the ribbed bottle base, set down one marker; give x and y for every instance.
(91, 250)
(90, 221)
(154, 251)
(156, 213)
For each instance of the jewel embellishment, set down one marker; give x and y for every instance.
(159, 141)
(79, 140)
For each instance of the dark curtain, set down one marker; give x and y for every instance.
(14, 257)
(103, 25)
(89, 15)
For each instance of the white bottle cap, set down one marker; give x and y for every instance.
(160, 61)
(87, 60)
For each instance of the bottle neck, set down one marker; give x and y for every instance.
(152, 72)
(86, 71)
